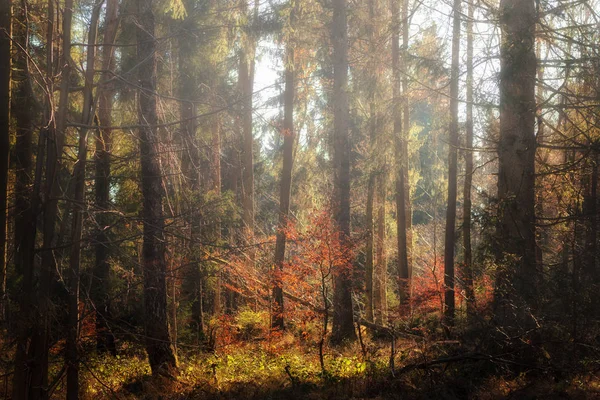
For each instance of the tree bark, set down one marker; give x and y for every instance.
(449, 242)
(158, 341)
(516, 285)
(105, 340)
(72, 351)
(343, 316)
(246, 82)
(25, 227)
(285, 190)
(380, 273)
(404, 270)
(191, 166)
(5, 65)
(468, 184)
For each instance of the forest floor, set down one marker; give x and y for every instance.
(288, 368)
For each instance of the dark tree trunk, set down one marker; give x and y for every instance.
(72, 351)
(406, 135)
(468, 184)
(105, 340)
(369, 265)
(216, 187)
(191, 162)
(25, 227)
(369, 214)
(158, 341)
(343, 316)
(380, 272)
(516, 285)
(404, 270)
(5, 65)
(449, 243)
(246, 82)
(590, 212)
(285, 190)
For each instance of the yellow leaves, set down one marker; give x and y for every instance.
(176, 8)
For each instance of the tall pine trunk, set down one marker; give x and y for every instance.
(343, 316)
(191, 165)
(72, 351)
(285, 189)
(158, 341)
(105, 340)
(5, 65)
(516, 286)
(246, 82)
(27, 195)
(404, 270)
(449, 242)
(468, 183)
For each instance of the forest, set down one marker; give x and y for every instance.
(299, 199)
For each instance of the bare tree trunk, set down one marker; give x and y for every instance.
(158, 341)
(5, 65)
(516, 285)
(449, 242)
(53, 191)
(72, 351)
(380, 273)
(343, 316)
(25, 202)
(468, 184)
(369, 265)
(369, 214)
(191, 166)
(285, 190)
(216, 187)
(105, 340)
(246, 82)
(406, 136)
(404, 272)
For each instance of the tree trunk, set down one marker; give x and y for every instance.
(449, 242)
(343, 316)
(25, 203)
(191, 166)
(246, 82)
(369, 265)
(285, 190)
(404, 270)
(468, 184)
(216, 187)
(53, 191)
(406, 137)
(380, 272)
(158, 341)
(5, 65)
(72, 351)
(105, 340)
(516, 285)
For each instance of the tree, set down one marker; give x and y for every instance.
(27, 190)
(400, 144)
(105, 340)
(343, 315)
(468, 183)
(449, 242)
(5, 65)
(72, 351)
(285, 190)
(246, 82)
(518, 278)
(158, 342)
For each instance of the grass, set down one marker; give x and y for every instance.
(287, 368)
